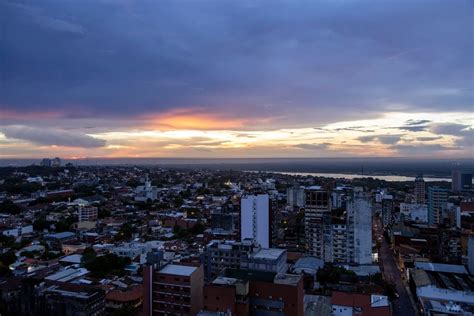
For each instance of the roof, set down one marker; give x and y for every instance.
(61, 235)
(441, 267)
(124, 296)
(369, 305)
(75, 258)
(176, 269)
(269, 253)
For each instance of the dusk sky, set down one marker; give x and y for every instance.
(218, 78)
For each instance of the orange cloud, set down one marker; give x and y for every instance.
(193, 120)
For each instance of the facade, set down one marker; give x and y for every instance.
(415, 212)
(255, 219)
(221, 255)
(461, 181)
(173, 290)
(318, 229)
(470, 254)
(437, 200)
(146, 192)
(387, 210)
(359, 224)
(295, 196)
(420, 190)
(58, 298)
(87, 213)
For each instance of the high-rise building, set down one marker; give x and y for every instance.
(461, 181)
(295, 196)
(470, 254)
(255, 219)
(359, 229)
(437, 200)
(419, 190)
(318, 229)
(173, 289)
(56, 162)
(387, 210)
(45, 162)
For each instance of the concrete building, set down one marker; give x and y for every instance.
(461, 180)
(224, 254)
(359, 229)
(87, 213)
(437, 200)
(387, 210)
(146, 192)
(348, 304)
(295, 196)
(414, 212)
(265, 259)
(420, 190)
(173, 290)
(247, 292)
(470, 254)
(60, 298)
(255, 219)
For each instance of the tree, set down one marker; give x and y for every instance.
(9, 207)
(100, 266)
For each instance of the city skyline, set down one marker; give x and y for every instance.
(250, 79)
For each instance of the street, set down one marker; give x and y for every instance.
(401, 306)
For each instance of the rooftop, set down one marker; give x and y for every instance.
(176, 269)
(269, 253)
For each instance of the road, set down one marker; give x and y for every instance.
(401, 306)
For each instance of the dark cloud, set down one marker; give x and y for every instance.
(422, 149)
(414, 125)
(383, 139)
(49, 137)
(339, 60)
(450, 129)
(428, 138)
(322, 146)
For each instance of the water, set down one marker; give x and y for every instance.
(354, 176)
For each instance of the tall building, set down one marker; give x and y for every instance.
(387, 210)
(45, 162)
(318, 229)
(470, 254)
(437, 201)
(255, 219)
(56, 162)
(295, 196)
(461, 181)
(359, 229)
(172, 290)
(419, 190)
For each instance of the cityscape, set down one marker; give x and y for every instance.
(236, 158)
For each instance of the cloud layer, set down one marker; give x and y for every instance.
(99, 67)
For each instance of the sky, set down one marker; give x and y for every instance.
(222, 78)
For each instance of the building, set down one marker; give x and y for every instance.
(442, 289)
(146, 192)
(249, 292)
(224, 254)
(255, 219)
(387, 210)
(348, 304)
(173, 289)
(265, 259)
(420, 190)
(87, 213)
(295, 196)
(60, 298)
(414, 212)
(359, 229)
(45, 162)
(56, 162)
(318, 230)
(437, 200)
(461, 181)
(470, 254)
